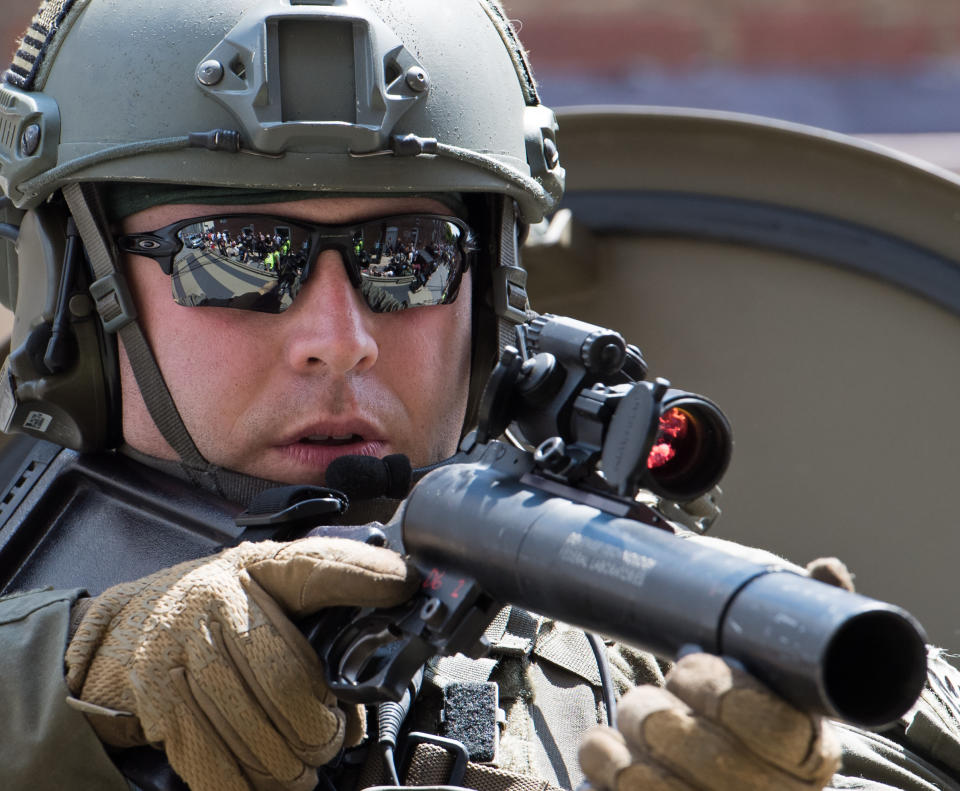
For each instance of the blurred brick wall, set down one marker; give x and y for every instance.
(14, 18)
(856, 66)
(607, 35)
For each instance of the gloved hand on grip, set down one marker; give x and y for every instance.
(713, 728)
(202, 659)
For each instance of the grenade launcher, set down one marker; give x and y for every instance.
(579, 518)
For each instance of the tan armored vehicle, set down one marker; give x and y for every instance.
(809, 283)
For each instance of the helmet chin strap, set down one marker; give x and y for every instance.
(118, 313)
(500, 300)
(510, 300)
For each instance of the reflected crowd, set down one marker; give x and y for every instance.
(397, 263)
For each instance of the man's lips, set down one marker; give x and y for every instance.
(318, 455)
(317, 444)
(333, 434)
(329, 441)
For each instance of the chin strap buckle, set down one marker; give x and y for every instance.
(114, 301)
(510, 299)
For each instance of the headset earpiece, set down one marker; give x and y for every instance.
(63, 391)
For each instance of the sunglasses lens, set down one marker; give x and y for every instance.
(259, 263)
(406, 262)
(252, 263)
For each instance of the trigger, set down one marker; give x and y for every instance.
(358, 655)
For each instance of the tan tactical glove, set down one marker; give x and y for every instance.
(713, 728)
(204, 661)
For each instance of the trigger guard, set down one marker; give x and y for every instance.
(369, 657)
(359, 653)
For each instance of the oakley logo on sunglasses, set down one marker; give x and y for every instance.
(260, 262)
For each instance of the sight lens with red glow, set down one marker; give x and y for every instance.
(671, 435)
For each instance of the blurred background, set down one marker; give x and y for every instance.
(887, 66)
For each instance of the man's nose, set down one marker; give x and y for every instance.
(328, 325)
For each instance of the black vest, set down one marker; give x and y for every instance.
(92, 520)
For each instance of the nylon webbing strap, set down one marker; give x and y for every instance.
(430, 765)
(116, 308)
(520, 633)
(444, 670)
(510, 295)
(234, 486)
(157, 397)
(513, 631)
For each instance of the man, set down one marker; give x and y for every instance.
(361, 127)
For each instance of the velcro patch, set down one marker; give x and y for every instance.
(470, 717)
(33, 46)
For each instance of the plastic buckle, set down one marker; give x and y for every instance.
(510, 293)
(114, 302)
(452, 746)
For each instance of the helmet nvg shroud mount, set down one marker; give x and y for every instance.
(353, 97)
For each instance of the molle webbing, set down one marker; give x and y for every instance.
(430, 765)
(513, 633)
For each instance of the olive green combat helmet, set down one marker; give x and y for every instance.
(334, 97)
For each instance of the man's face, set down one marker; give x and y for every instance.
(279, 396)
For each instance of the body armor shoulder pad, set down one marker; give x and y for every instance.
(93, 520)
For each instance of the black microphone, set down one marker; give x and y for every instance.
(366, 477)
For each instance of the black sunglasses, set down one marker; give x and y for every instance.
(261, 261)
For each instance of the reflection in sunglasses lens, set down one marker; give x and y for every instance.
(409, 264)
(251, 263)
(259, 263)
